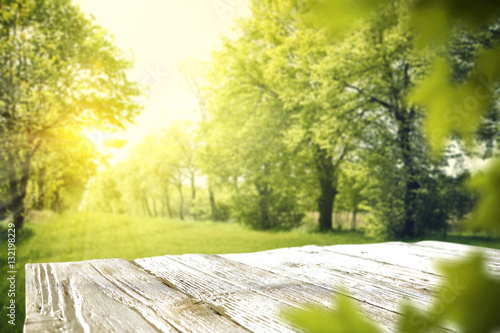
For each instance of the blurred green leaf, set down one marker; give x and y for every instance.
(487, 214)
(469, 296)
(433, 24)
(488, 64)
(455, 109)
(425, 94)
(472, 12)
(414, 320)
(345, 318)
(340, 15)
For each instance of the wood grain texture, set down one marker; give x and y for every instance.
(112, 296)
(252, 310)
(235, 292)
(421, 256)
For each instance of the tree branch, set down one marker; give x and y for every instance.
(370, 98)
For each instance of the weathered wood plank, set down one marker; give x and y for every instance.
(234, 292)
(404, 282)
(411, 256)
(370, 297)
(494, 254)
(179, 310)
(368, 282)
(417, 283)
(281, 288)
(389, 255)
(369, 285)
(456, 251)
(41, 312)
(73, 298)
(113, 296)
(248, 308)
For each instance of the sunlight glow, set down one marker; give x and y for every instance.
(159, 34)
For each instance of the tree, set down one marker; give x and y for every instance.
(378, 62)
(381, 69)
(354, 183)
(192, 72)
(60, 71)
(60, 172)
(246, 152)
(276, 59)
(142, 183)
(462, 45)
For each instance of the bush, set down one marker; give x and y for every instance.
(271, 211)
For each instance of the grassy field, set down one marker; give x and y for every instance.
(83, 236)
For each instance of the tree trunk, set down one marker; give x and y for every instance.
(213, 207)
(155, 211)
(410, 206)
(56, 202)
(326, 177)
(211, 198)
(263, 191)
(167, 203)
(17, 187)
(405, 119)
(40, 200)
(193, 186)
(353, 226)
(181, 205)
(145, 205)
(325, 205)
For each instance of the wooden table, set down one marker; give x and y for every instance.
(232, 292)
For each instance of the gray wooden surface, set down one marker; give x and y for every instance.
(233, 292)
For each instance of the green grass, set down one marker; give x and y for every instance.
(84, 236)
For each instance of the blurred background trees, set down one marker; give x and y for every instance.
(60, 75)
(296, 119)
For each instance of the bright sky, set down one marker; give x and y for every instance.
(160, 34)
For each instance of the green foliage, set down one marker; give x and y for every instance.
(477, 295)
(433, 20)
(289, 105)
(466, 298)
(344, 318)
(275, 116)
(60, 75)
(487, 214)
(154, 180)
(280, 208)
(340, 15)
(249, 130)
(458, 108)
